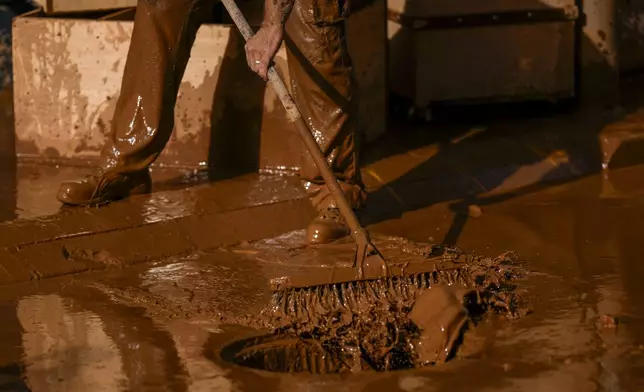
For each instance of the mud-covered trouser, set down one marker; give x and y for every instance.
(320, 72)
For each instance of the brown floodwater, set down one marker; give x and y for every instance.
(162, 326)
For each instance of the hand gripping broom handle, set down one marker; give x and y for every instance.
(359, 234)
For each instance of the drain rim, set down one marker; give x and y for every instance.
(329, 364)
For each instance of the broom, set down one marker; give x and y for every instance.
(369, 277)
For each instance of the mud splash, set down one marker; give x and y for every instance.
(389, 324)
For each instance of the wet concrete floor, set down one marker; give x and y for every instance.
(161, 326)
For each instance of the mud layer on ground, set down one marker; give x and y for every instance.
(165, 326)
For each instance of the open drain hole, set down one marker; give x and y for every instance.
(290, 354)
(282, 354)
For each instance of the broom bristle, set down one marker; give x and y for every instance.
(309, 304)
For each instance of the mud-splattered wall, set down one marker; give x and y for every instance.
(68, 75)
(83, 5)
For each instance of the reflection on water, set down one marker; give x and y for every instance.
(204, 375)
(74, 345)
(560, 345)
(67, 351)
(615, 344)
(69, 348)
(579, 351)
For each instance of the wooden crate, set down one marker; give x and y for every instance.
(68, 74)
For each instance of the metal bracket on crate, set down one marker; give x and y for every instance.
(568, 13)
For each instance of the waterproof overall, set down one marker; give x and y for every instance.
(321, 77)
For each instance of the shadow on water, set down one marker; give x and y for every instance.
(490, 147)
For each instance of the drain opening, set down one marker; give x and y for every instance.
(290, 354)
(282, 354)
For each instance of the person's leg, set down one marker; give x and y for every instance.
(322, 84)
(164, 31)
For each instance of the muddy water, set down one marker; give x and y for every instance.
(162, 326)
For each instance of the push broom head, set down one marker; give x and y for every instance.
(347, 311)
(305, 298)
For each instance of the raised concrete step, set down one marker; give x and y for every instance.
(151, 227)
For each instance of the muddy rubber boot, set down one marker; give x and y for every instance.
(104, 187)
(327, 227)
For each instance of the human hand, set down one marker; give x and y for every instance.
(261, 48)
